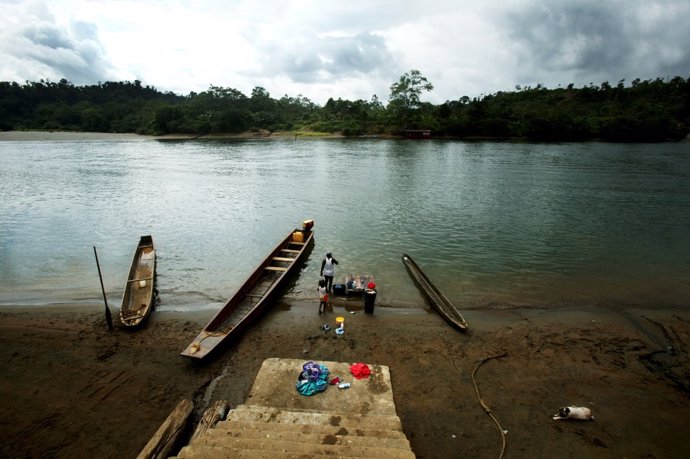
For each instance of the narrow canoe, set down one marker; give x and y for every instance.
(138, 299)
(255, 294)
(434, 296)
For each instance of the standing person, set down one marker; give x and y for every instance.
(323, 296)
(328, 270)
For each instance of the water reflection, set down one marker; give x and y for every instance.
(491, 223)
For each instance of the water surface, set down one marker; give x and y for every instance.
(492, 224)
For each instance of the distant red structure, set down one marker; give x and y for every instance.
(417, 133)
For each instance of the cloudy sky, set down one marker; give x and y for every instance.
(344, 48)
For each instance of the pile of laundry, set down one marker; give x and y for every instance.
(314, 377)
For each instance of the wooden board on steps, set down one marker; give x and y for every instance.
(215, 413)
(165, 438)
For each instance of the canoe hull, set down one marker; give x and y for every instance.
(254, 296)
(433, 295)
(139, 295)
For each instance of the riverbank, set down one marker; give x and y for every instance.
(57, 136)
(62, 136)
(70, 388)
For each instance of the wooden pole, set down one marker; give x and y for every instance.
(108, 318)
(216, 413)
(161, 445)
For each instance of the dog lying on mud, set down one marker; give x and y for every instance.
(579, 413)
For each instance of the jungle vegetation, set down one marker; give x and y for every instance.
(643, 111)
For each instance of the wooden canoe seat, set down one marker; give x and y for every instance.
(290, 250)
(140, 279)
(283, 259)
(296, 243)
(275, 268)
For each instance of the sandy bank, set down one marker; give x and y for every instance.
(62, 136)
(70, 388)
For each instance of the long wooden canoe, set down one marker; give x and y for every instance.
(138, 299)
(255, 294)
(434, 296)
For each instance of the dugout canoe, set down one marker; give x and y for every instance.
(140, 290)
(433, 295)
(255, 294)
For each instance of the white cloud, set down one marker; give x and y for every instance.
(349, 50)
(34, 46)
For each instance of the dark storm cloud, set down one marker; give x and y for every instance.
(597, 41)
(362, 53)
(49, 51)
(325, 58)
(47, 35)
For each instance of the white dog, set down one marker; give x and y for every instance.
(579, 413)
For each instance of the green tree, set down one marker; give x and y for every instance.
(407, 91)
(405, 95)
(262, 112)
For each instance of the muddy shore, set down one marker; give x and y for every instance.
(72, 136)
(69, 388)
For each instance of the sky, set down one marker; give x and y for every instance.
(349, 49)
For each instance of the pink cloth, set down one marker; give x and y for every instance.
(360, 370)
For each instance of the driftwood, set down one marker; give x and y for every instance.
(163, 441)
(211, 417)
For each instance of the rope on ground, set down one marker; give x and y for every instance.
(670, 348)
(481, 402)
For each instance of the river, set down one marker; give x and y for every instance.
(492, 224)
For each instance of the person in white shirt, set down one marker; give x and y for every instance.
(328, 270)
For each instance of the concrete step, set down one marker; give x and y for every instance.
(214, 452)
(277, 427)
(262, 433)
(278, 422)
(206, 452)
(274, 386)
(354, 421)
(254, 448)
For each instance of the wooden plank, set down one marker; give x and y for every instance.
(163, 441)
(283, 259)
(211, 417)
(290, 250)
(132, 316)
(140, 279)
(275, 268)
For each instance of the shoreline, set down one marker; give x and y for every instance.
(58, 136)
(72, 136)
(71, 388)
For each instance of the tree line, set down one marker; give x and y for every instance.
(644, 111)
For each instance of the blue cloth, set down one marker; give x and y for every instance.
(312, 379)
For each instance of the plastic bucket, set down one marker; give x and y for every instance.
(369, 300)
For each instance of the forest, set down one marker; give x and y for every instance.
(653, 110)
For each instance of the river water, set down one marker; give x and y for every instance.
(492, 224)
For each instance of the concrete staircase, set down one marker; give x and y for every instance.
(278, 422)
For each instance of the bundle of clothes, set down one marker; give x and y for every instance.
(314, 377)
